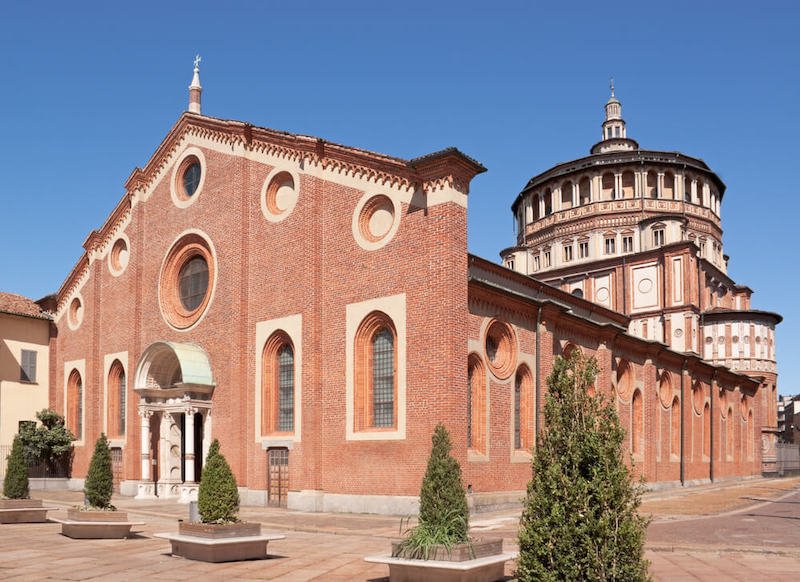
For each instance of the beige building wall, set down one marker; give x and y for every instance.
(22, 400)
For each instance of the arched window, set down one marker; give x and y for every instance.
(548, 202)
(607, 187)
(729, 435)
(116, 400)
(669, 186)
(75, 403)
(584, 191)
(523, 409)
(277, 385)
(706, 430)
(637, 424)
(476, 403)
(675, 427)
(651, 187)
(376, 373)
(750, 435)
(624, 379)
(628, 185)
(566, 195)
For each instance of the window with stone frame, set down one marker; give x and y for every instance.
(476, 400)
(583, 249)
(27, 366)
(537, 263)
(658, 237)
(375, 373)
(547, 259)
(627, 243)
(567, 252)
(278, 385)
(610, 245)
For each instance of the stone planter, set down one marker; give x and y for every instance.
(480, 561)
(96, 524)
(219, 530)
(210, 542)
(23, 511)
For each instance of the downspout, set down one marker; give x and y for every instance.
(711, 428)
(537, 401)
(683, 428)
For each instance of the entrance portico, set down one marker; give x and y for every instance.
(175, 385)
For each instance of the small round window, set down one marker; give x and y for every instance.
(501, 348)
(118, 258)
(191, 177)
(75, 313)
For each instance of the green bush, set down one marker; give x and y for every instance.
(443, 511)
(580, 519)
(49, 442)
(15, 484)
(218, 497)
(100, 478)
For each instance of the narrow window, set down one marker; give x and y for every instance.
(517, 413)
(286, 388)
(583, 250)
(470, 374)
(536, 263)
(116, 400)
(547, 259)
(383, 378)
(627, 244)
(476, 398)
(637, 422)
(28, 368)
(523, 409)
(567, 253)
(610, 245)
(675, 445)
(658, 237)
(75, 403)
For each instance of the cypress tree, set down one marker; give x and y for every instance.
(100, 478)
(218, 497)
(15, 484)
(580, 519)
(443, 511)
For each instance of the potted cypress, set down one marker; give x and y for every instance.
(219, 536)
(97, 518)
(16, 506)
(439, 546)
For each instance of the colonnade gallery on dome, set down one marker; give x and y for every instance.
(314, 307)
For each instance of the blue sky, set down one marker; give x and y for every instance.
(89, 90)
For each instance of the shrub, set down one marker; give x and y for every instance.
(49, 442)
(15, 484)
(100, 478)
(218, 497)
(443, 511)
(580, 519)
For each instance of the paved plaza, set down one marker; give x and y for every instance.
(736, 531)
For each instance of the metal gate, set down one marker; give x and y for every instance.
(277, 476)
(116, 467)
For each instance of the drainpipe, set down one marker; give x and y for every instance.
(711, 428)
(537, 401)
(683, 428)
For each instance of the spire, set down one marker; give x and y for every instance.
(615, 135)
(195, 89)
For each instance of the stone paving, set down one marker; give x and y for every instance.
(754, 533)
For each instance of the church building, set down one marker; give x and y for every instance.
(314, 307)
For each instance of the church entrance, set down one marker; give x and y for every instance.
(175, 385)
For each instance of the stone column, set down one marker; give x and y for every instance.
(145, 442)
(206, 435)
(188, 438)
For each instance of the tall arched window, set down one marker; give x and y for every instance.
(706, 430)
(376, 373)
(624, 379)
(476, 404)
(637, 424)
(675, 427)
(277, 385)
(116, 400)
(523, 409)
(75, 403)
(729, 435)
(750, 436)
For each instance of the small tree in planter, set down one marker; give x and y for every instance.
(439, 547)
(580, 519)
(15, 503)
(15, 484)
(218, 496)
(443, 511)
(100, 478)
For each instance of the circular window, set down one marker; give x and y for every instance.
(375, 221)
(279, 195)
(187, 281)
(501, 348)
(188, 177)
(75, 313)
(709, 339)
(118, 257)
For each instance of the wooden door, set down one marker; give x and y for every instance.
(277, 476)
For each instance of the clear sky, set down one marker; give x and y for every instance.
(87, 92)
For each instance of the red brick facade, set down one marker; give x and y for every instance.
(317, 242)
